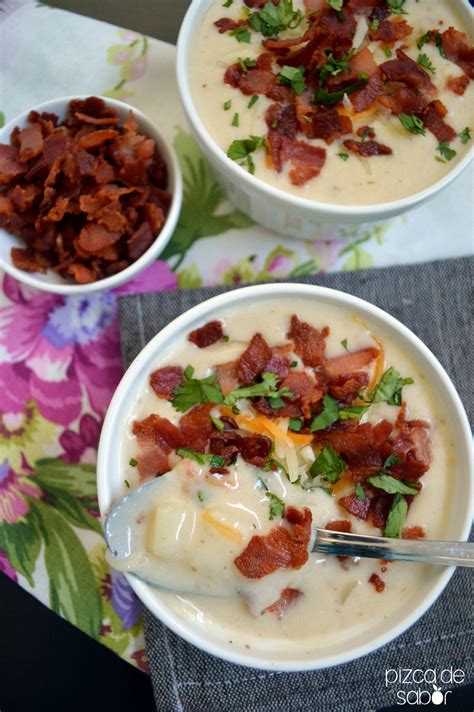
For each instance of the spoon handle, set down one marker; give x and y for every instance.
(446, 553)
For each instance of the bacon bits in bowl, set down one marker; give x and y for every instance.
(315, 111)
(257, 416)
(90, 193)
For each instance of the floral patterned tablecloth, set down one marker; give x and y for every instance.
(60, 356)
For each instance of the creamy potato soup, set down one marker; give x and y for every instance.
(359, 105)
(259, 437)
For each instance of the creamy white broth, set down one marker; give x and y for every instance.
(356, 181)
(338, 604)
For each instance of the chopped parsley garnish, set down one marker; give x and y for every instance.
(227, 3)
(328, 465)
(445, 151)
(276, 403)
(390, 484)
(217, 423)
(252, 101)
(426, 62)
(272, 19)
(392, 459)
(353, 412)
(247, 63)
(328, 416)
(322, 96)
(268, 388)
(202, 458)
(465, 135)
(325, 489)
(396, 517)
(225, 338)
(132, 462)
(389, 388)
(343, 155)
(432, 36)
(335, 4)
(273, 465)
(235, 411)
(396, 7)
(360, 493)
(334, 66)
(331, 412)
(242, 149)
(276, 505)
(196, 390)
(241, 34)
(295, 424)
(293, 76)
(412, 123)
(127, 484)
(235, 120)
(374, 24)
(200, 493)
(294, 364)
(344, 344)
(386, 50)
(261, 483)
(227, 105)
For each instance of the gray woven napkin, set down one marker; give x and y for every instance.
(435, 301)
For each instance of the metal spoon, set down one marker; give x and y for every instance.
(124, 537)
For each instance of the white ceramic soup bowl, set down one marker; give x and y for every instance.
(271, 207)
(110, 474)
(53, 282)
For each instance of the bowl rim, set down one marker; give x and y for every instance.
(161, 240)
(252, 183)
(127, 389)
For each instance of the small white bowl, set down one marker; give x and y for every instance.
(110, 475)
(52, 281)
(271, 207)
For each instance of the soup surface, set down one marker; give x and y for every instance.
(362, 110)
(315, 421)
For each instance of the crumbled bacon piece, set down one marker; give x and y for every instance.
(87, 195)
(405, 100)
(310, 343)
(339, 525)
(281, 548)
(328, 125)
(227, 376)
(346, 387)
(165, 380)
(288, 597)
(226, 444)
(406, 70)
(377, 582)
(367, 148)
(415, 532)
(256, 449)
(365, 132)
(253, 361)
(156, 438)
(196, 427)
(389, 31)
(380, 507)
(207, 335)
(306, 390)
(357, 507)
(226, 24)
(458, 51)
(350, 362)
(433, 119)
(457, 85)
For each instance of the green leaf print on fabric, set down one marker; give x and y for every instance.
(2, 119)
(132, 58)
(78, 480)
(202, 197)
(189, 277)
(29, 436)
(113, 633)
(71, 509)
(358, 258)
(22, 543)
(72, 587)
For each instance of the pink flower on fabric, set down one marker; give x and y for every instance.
(81, 447)
(157, 277)
(13, 487)
(6, 567)
(51, 347)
